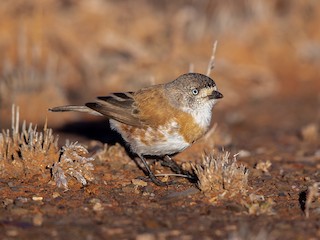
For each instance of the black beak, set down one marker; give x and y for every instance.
(215, 95)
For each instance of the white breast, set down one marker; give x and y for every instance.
(203, 114)
(169, 142)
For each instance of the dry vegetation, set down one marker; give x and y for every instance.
(27, 154)
(219, 175)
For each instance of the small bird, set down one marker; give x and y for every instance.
(160, 120)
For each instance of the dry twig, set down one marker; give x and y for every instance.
(211, 64)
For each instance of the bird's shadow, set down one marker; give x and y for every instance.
(98, 130)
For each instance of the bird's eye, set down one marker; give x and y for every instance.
(195, 91)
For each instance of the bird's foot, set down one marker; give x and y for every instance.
(169, 162)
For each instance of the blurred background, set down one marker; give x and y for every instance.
(58, 52)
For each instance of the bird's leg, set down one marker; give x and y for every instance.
(153, 178)
(169, 162)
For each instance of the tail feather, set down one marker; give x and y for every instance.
(75, 108)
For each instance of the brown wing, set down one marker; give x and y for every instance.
(152, 106)
(118, 106)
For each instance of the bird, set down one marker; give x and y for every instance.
(160, 120)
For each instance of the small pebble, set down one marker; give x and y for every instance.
(146, 236)
(56, 195)
(112, 231)
(37, 219)
(37, 198)
(19, 201)
(54, 233)
(94, 200)
(139, 182)
(97, 207)
(12, 233)
(310, 132)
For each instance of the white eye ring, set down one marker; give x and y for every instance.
(195, 91)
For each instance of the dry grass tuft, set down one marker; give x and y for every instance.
(28, 153)
(258, 205)
(312, 199)
(221, 175)
(74, 163)
(264, 166)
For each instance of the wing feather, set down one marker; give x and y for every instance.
(118, 106)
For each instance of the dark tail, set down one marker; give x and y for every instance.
(74, 108)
